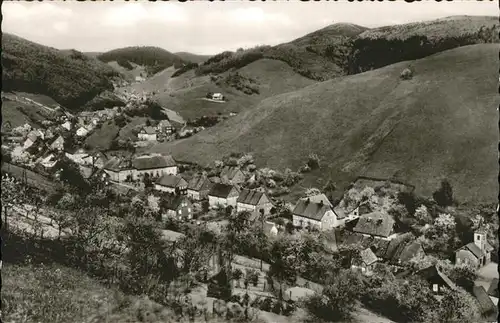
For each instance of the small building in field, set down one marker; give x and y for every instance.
(477, 253)
(198, 187)
(307, 214)
(154, 165)
(171, 184)
(376, 224)
(253, 200)
(218, 96)
(222, 195)
(232, 175)
(176, 206)
(436, 279)
(147, 133)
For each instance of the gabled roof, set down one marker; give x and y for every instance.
(433, 271)
(318, 198)
(486, 305)
(397, 246)
(172, 201)
(117, 164)
(368, 257)
(230, 172)
(493, 290)
(251, 197)
(149, 130)
(198, 183)
(375, 224)
(172, 181)
(471, 246)
(220, 190)
(311, 210)
(153, 162)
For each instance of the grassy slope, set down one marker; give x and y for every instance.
(373, 123)
(138, 70)
(190, 57)
(184, 93)
(101, 138)
(57, 294)
(69, 77)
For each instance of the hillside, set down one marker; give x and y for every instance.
(376, 124)
(154, 59)
(260, 79)
(69, 77)
(194, 58)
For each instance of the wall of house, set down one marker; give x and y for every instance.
(218, 201)
(299, 221)
(185, 210)
(146, 136)
(164, 188)
(194, 195)
(329, 221)
(120, 176)
(156, 172)
(465, 256)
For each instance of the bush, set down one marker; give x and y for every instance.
(406, 74)
(313, 161)
(444, 195)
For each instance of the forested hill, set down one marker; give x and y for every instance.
(69, 77)
(154, 59)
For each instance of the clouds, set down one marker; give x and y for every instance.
(206, 27)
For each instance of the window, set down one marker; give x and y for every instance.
(435, 288)
(189, 209)
(180, 211)
(478, 237)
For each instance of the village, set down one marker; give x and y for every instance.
(377, 217)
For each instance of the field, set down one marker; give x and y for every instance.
(377, 125)
(34, 179)
(101, 138)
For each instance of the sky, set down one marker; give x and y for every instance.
(204, 27)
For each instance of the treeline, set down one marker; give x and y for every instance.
(155, 59)
(184, 69)
(72, 79)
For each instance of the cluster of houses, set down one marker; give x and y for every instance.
(163, 130)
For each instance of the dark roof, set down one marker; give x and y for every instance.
(198, 183)
(410, 251)
(251, 197)
(367, 256)
(220, 190)
(164, 123)
(376, 224)
(433, 271)
(397, 247)
(230, 171)
(116, 164)
(311, 210)
(149, 130)
(486, 305)
(153, 162)
(173, 181)
(493, 290)
(471, 246)
(172, 201)
(318, 198)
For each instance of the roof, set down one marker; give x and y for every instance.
(397, 246)
(251, 197)
(342, 212)
(198, 182)
(493, 290)
(471, 246)
(296, 293)
(375, 224)
(220, 190)
(58, 140)
(485, 303)
(168, 180)
(117, 164)
(433, 271)
(311, 210)
(368, 256)
(318, 198)
(230, 171)
(153, 162)
(164, 123)
(149, 130)
(172, 201)
(32, 136)
(171, 236)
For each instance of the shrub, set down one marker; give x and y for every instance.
(313, 161)
(444, 195)
(406, 74)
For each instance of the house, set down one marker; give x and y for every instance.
(319, 198)
(97, 159)
(493, 291)
(218, 96)
(436, 279)
(164, 126)
(270, 228)
(147, 133)
(154, 165)
(57, 144)
(297, 293)
(49, 162)
(222, 195)
(82, 132)
(314, 215)
(31, 139)
(67, 125)
(376, 224)
(232, 175)
(487, 308)
(352, 213)
(171, 184)
(198, 187)
(177, 206)
(118, 169)
(477, 253)
(139, 79)
(253, 200)
(366, 261)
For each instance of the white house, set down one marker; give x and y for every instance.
(82, 132)
(154, 165)
(253, 200)
(318, 215)
(198, 187)
(57, 144)
(118, 169)
(218, 97)
(222, 195)
(66, 125)
(171, 184)
(147, 134)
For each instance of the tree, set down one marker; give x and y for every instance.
(283, 253)
(445, 223)
(444, 195)
(338, 299)
(458, 306)
(237, 274)
(219, 287)
(422, 215)
(408, 200)
(313, 161)
(148, 182)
